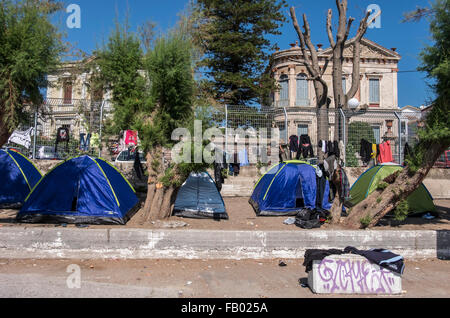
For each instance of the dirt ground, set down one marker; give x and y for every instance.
(242, 217)
(194, 279)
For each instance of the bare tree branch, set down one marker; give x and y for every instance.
(329, 29)
(349, 25)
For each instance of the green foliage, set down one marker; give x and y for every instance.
(436, 63)
(350, 153)
(365, 221)
(169, 67)
(233, 36)
(379, 199)
(120, 61)
(30, 47)
(382, 185)
(401, 211)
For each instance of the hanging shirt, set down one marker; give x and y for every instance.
(293, 143)
(385, 154)
(131, 137)
(243, 158)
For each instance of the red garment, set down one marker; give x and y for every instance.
(131, 137)
(385, 154)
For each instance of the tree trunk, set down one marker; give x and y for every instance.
(4, 133)
(379, 203)
(165, 210)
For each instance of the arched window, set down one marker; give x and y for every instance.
(302, 90)
(284, 91)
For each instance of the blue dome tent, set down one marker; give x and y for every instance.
(81, 190)
(199, 198)
(287, 188)
(18, 177)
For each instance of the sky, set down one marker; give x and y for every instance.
(98, 18)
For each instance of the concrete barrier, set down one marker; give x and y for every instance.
(19, 242)
(352, 274)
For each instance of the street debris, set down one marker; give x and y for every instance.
(282, 263)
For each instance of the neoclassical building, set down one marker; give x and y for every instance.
(296, 95)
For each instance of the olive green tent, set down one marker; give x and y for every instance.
(419, 201)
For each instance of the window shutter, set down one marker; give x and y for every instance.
(374, 91)
(302, 90)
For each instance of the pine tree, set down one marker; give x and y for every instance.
(233, 36)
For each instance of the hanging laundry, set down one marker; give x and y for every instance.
(243, 158)
(365, 151)
(306, 148)
(293, 146)
(385, 154)
(84, 143)
(130, 137)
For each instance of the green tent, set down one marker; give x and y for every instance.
(419, 201)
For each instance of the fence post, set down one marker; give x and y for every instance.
(35, 132)
(344, 137)
(285, 125)
(100, 134)
(226, 128)
(399, 147)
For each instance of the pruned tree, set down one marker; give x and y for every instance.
(310, 59)
(341, 98)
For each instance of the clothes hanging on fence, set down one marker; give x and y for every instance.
(62, 135)
(306, 148)
(84, 143)
(130, 137)
(243, 158)
(220, 166)
(330, 164)
(385, 154)
(293, 143)
(365, 151)
(283, 152)
(235, 167)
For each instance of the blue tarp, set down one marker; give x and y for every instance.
(18, 177)
(198, 197)
(81, 190)
(287, 188)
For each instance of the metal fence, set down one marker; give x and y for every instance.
(82, 118)
(374, 126)
(86, 118)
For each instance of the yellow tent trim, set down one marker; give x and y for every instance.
(273, 181)
(119, 172)
(104, 174)
(18, 166)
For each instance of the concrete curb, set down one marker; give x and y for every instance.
(26, 243)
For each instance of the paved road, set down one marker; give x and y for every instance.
(189, 279)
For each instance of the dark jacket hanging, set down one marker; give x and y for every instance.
(293, 143)
(365, 151)
(306, 148)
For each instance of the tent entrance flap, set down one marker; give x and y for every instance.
(299, 200)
